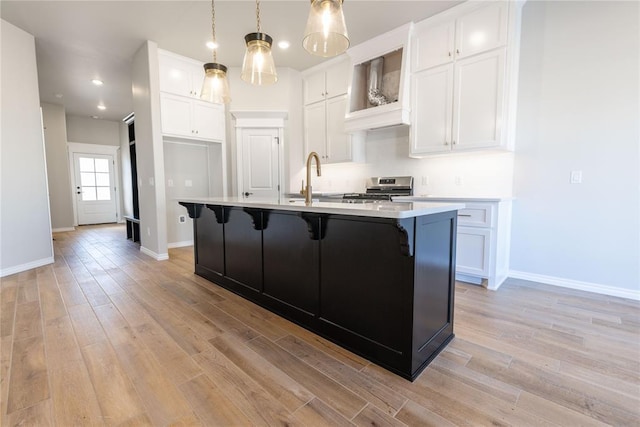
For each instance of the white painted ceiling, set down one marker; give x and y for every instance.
(77, 41)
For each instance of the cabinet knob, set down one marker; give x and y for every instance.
(454, 142)
(449, 54)
(458, 51)
(446, 143)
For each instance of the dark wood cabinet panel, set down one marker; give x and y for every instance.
(366, 280)
(291, 261)
(243, 247)
(209, 237)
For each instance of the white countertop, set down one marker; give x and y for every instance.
(458, 199)
(395, 210)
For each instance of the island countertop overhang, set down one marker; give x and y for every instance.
(395, 210)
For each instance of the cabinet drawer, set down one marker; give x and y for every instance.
(477, 215)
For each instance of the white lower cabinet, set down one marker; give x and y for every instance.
(473, 251)
(184, 117)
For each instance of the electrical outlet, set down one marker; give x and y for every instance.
(151, 181)
(425, 180)
(148, 231)
(458, 180)
(576, 177)
(182, 219)
(170, 182)
(188, 183)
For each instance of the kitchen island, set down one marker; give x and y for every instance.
(377, 279)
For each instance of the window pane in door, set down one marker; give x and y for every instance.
(88, 193)
(102, 165)
(102, 179)
(87, 179)
(104, 193)
(86, 164)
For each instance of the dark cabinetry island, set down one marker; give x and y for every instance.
(375, 279)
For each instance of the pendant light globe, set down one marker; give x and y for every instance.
(326, 32)
(258, 67)
(215, 87)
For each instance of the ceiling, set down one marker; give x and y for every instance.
(77, 41)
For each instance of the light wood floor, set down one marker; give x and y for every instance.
(108, 336)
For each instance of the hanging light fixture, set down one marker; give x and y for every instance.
(326, 33)
(215, 87)
(258, 67)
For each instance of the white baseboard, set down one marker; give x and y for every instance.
(598, 288)
(180, 244)
(63, 229)
(24, 267)
(157, 257)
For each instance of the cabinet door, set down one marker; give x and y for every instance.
(208, 120)
(197, 77)
(338, 141)
(314, 87)
(434, 45)
(473, 251)
(478, 100)
(431, 110)
(337, 79)
(175, 114)
(291, 261)
(482, 29)
(315, 129)
(243, 246)
(176, 76)
(209, 237)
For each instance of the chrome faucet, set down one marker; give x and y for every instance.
(306, 191)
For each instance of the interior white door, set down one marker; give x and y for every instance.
(95, 188)
(261, 163)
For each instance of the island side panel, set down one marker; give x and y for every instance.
(366, 288)
(434, 287)
(209, 240)
(243, 247)
(292, 262)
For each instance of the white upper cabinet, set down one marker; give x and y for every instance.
(179, 75)
(326, 82)
(482, 29)
(191, 118)
(463, 98)
(325, 99)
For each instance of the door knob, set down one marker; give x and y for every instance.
(247, 194)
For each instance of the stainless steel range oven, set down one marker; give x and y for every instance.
(381, 189)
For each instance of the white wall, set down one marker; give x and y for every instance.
(149, 151)
(126, 195)
(25, 226)
(578, 110)
(92, 131)
(55, 141)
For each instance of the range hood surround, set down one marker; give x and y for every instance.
(394, 49)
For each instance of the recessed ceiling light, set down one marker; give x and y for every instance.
(101, 107)
(57, 95)
(97, 82)
(95, 117)
(212, 45)
(283, 44)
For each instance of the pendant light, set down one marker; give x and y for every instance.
(258, 67)
(326, 33)
(215, 87)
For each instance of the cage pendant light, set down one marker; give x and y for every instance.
(258, 67)
(215, 87)
(326, 32)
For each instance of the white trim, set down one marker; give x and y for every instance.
(46, 183)
(24, 267)
(157, 257)
(180, 244)
(259, 119)
(598, 288)
(63, 229)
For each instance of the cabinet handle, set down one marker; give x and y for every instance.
(449, 54)
(463, 214)
(446, 143)
(458, 51)
(454, 142)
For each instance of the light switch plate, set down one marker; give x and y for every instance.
(188, 183)
(576, 177)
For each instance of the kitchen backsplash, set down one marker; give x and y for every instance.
(387, 151)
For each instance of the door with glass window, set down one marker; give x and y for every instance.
(95, 188)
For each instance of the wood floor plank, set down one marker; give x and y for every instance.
(60, 343)
(85, 324)
(28, 291)
(28, 321)
(8, 298)
(290, 393)
(251, 315)
(74, 399)
(211, 404)
(141, 420)
(40, 415)
(28, 382)
(6, 346)
(362, 385)
(318, 414)
(93, 292)
(225, 322)
(554, 412)
(50, 299)
(413, 414)
(343, 400)
(117, 397)
(258, 405)
(373, 416)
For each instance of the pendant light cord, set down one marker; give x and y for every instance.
(213, 30)
(258, 14)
